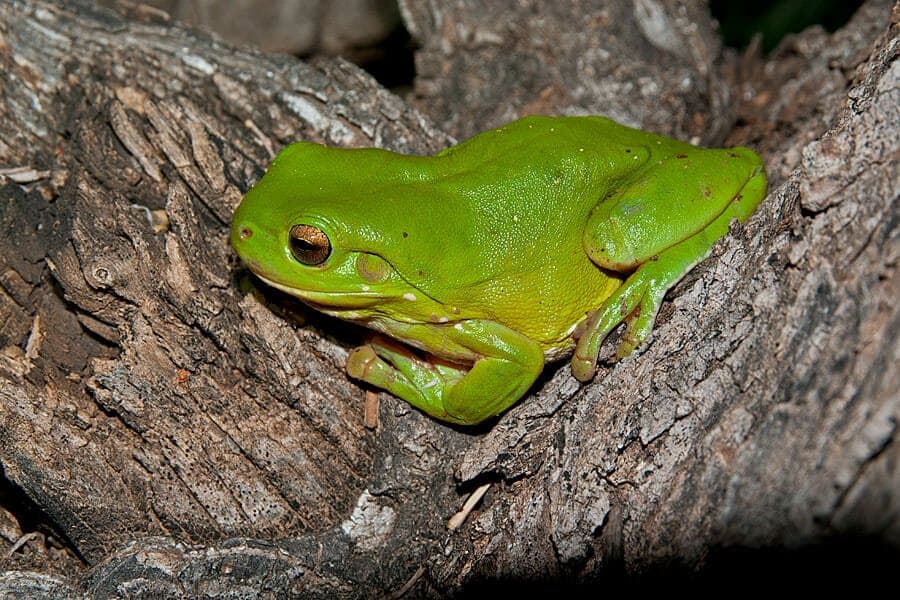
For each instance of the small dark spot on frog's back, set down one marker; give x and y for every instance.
(681, 155)
(405, 234)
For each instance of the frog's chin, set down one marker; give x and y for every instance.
(329, 301)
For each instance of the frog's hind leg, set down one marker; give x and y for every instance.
(638, 300)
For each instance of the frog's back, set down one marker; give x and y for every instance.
(524, 193)
(539, 168)
(551, 135)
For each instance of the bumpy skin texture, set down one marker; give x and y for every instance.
(490, 255)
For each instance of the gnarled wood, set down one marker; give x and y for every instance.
(171, 428)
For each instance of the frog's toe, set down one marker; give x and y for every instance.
(365, 364)
(361, 361)
(638, 329)
(640, 322)
(583, 367)
(636, 303)
(376, 363)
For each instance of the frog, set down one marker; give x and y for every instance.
(476, 266)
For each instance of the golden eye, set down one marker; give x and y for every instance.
(309, 244)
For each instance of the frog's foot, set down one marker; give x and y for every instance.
(635, 303)
(492, 367)
(395, 368)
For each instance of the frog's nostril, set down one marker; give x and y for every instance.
(245, 233)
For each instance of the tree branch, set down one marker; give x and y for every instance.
(172, 429)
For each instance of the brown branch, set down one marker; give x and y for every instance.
(162, 419)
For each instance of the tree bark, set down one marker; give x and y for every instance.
(170, 427)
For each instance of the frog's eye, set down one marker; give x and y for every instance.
(309, 244)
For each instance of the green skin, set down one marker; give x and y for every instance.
(497, 254)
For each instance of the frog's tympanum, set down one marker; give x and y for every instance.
(486, 260)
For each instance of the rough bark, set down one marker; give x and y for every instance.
(485, 62)
(286, 26)
(170, 428)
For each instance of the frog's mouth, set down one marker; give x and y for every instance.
(329, 300)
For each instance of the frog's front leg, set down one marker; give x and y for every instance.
(504, 365)
(662, 226)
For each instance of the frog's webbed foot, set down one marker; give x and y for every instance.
(393, 367)
(635, 303)
(497, 366)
